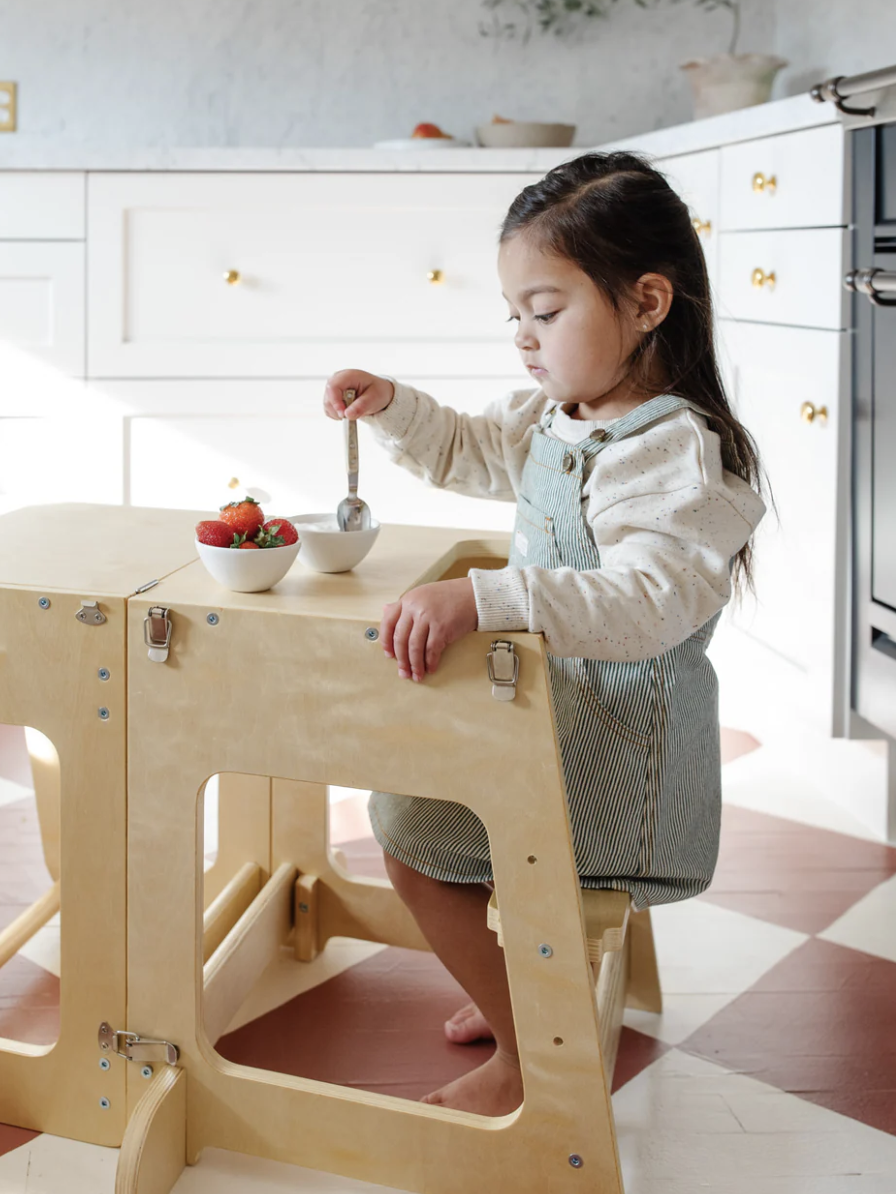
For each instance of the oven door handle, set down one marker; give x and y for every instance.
(876, 284)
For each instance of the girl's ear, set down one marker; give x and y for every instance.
(653, 298)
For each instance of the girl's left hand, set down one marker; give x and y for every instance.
(417, 628)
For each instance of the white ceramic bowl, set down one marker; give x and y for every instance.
(524, 134)
(327, 550)
(248, 571)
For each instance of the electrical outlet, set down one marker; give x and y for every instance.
(7, 107)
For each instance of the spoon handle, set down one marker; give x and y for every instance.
(351, 447)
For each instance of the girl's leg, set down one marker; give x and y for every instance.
(453, 919)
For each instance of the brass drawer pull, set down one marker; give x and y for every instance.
(809, 413)
(702, 227)
(435, 277)
(763, 185)
(232, 277)
(760, 278)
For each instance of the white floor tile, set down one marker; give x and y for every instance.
(221, 1172)
(687, 1125)
(707, 956)
(10, 792)
(43, 948)
(869, 925)
(52, 1165)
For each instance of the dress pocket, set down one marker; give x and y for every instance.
(534, 539)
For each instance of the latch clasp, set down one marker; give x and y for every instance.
(90, 614)
(134, 1047)
(157, 633)
(503, 666)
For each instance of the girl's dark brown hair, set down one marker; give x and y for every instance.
(616, 217)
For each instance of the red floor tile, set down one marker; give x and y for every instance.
(793, 874)
(820, 1025)
(11, 1138)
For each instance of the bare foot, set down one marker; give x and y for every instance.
(468, 1025)
(495, 1088)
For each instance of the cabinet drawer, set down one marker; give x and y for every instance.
(196, 444)
(792, 181)
(277, 275)
(807, 269)
(41, 206)
(695, 177)
(41, 310)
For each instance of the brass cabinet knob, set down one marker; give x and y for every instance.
(763, 185)
(232, 277)
(760, 278)
(702, 227)
(233, 483)
(810, 413)
(436, 277)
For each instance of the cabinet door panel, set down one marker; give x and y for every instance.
(695, 177)
(277, 275)
(198, 444)
(808, 270)
(41, 308)
(772, 372)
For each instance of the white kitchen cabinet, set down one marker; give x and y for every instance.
(41, 316)
(794, 180)
(199, 444)
(777, 378)
(228, 275)
(42, 205)
(794, 276)
(695, 177)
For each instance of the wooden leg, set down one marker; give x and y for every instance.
(644, 992)
(153, 1152)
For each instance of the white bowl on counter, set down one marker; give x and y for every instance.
(248, 571)
(327, 549)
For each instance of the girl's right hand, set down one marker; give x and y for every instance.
(372, 394)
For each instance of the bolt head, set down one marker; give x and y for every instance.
(105, 1063)
(103, 713)
(146, 1072)
(545, 950)
(576, 1161)
(303, 907)
(103, 673)
(212, 619)
(104, 1103)
(371, 634)
(43, 602)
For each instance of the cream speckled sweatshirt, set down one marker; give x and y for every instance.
(665, 515)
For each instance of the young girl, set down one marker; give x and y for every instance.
(635, 488)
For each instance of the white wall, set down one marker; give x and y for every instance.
(339, 72)
(348, 72)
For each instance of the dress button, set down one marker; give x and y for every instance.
(569, 462)
(599, 434)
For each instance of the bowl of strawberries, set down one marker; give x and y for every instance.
(245, 551)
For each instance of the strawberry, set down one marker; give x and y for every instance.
(243, 518)
(214, 532)
(248, 544)
(277, 532)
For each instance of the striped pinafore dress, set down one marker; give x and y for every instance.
(639, 741)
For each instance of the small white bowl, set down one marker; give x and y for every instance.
(248, 571)
(327, 550)
(524, 134)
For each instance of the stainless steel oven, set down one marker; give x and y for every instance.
(874, 443)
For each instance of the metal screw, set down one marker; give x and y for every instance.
(104, 713)
(146, 1072)
(103, 673)
(105, 1063)
(303, 907)
(212, 619)
(576, 1161)
(43, 602)
(104, 1103)
(545, 950)
(371, 634)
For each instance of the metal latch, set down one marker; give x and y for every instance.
(503, 669)
(90, 614)
(157, 633)
(134, 1047)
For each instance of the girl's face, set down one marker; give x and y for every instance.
(572, 342)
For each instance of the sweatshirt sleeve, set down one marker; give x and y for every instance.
(477, 455)
(664, 554)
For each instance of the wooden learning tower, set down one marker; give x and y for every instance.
(280, 694)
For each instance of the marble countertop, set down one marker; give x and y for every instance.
(19, 152)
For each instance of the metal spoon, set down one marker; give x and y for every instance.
(352, 514)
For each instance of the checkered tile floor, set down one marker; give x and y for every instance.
(772, 1069)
